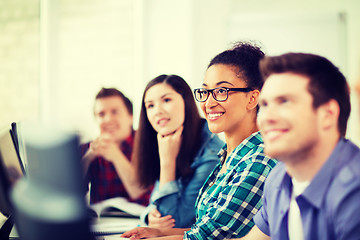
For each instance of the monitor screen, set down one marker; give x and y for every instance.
(16, 133)
(11, 168)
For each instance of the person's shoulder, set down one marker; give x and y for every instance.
(215, 142)
(208, 151)
(344, 189)
(278, 172)
(349, 165)
(254, 141)
(259, 157)
(260, 163)
(257, 153)
(275, 177)
(251, 145)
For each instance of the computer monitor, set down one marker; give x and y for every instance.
(17, 136)
(54, 206)
(11, 170)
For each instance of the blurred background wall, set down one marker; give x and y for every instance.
(55, 55)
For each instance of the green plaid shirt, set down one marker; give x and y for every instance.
(227, 202)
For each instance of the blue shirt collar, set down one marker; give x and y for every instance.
(317, 189)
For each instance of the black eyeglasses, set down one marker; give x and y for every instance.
(220, 94)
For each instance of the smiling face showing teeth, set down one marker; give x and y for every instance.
(287, 119)
(214, 116)
(224, 116)
(113, 117)
(165, 108)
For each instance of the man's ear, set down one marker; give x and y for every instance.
(330, 112)
(253, 99)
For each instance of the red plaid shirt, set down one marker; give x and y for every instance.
(105, 182)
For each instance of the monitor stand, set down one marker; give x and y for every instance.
(6, 228)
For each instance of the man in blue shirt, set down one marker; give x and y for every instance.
(314, 192)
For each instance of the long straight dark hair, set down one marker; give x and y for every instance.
(146, 153)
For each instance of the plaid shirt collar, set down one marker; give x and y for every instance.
(240, 151)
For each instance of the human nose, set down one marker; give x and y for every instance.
(159, 109)
(210, 101)
(107, 117)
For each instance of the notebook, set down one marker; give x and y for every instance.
(111, 228)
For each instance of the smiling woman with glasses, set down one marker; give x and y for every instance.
(232, 193)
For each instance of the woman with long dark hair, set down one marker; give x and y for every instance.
(174, 150)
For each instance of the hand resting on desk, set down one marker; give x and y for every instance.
(142, 232)
(157, 221)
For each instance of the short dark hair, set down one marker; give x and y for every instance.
(146, 154)
(326, 80)
(245, 56)
(110, 92)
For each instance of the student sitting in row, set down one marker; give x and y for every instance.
(107, 159)
(174, 150)
(232, 194)
(314, 192)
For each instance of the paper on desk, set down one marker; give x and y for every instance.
(111, 237)
(118, 203)
(112, 227)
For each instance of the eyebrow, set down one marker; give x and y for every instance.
(279, 97)
(163, 96)
(219, 83)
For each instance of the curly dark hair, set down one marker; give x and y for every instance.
(246, 57)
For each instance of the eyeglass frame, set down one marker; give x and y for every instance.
(225, 88)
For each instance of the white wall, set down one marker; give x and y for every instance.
(86, 45)
(348, 61)
(125, 44)
(167, 38)
(212, 27)
(19, 60)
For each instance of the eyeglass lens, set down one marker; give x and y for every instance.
(220, 94)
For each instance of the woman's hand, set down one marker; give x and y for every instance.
(157, 221)
(169, 147)
(142, 232)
